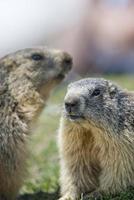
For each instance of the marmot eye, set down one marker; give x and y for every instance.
(96, 92)
(37, 57)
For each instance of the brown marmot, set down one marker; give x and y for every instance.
(26, 79)
(96, 139)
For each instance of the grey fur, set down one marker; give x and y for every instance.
(96, 138)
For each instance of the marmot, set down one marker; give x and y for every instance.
(26, 79)
(96, 139)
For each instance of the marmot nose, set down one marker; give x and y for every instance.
(67, 60)
(71, 106)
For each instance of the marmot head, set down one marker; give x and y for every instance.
(29, 75)
(35, 67)
(92, 100)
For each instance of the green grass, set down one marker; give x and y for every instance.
(44, 161)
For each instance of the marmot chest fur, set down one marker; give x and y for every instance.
(96, 138)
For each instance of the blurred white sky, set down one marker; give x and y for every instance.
(28, 23)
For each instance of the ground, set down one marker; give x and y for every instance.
(42, 183)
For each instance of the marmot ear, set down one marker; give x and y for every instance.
(112, 90)
(3, 83)
(11, 64)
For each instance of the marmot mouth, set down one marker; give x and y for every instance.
(75, 117)
(60, 76)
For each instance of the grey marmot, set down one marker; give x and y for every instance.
(26, 79)
(96, 139)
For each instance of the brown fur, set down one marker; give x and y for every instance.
(26, 80)
(93, 157)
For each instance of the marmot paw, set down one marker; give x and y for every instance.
(93, 196)
(67, 197)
